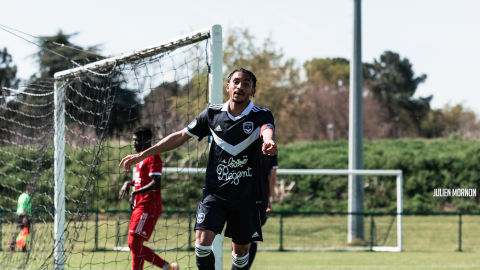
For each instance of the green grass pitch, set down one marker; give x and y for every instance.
(430, 242)
(309, 260)
(324, 260)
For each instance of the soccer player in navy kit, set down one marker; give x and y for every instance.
(146, 203)
(233, 192)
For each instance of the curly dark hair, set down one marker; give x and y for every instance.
(252, 76)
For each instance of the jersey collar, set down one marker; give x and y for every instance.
(244, 113)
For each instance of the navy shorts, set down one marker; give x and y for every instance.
(243, 227)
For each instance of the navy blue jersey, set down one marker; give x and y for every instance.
(233, 176)
(268, 163)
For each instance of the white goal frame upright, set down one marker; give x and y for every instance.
(399, 183)
(215, 61)
(399, 180)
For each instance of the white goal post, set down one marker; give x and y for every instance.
(214, 60)
(397, 173)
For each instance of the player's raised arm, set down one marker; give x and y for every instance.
(168, 143)
(269, 146)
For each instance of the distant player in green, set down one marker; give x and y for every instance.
(24, 209)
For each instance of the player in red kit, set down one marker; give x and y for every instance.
(146, 203)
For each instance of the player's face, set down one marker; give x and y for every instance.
(240, 87)
(140, 144)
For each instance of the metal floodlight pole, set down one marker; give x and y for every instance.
(215, 90)
(59, 168)
(355, 132)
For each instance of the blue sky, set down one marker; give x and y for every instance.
(440, 37)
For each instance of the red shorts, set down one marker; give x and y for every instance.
(142, 223)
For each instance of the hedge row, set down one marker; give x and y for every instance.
(426, 165)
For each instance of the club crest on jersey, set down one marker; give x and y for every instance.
(192, 124)
(248, 127)
(200, 217)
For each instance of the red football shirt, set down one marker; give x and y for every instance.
(151, 201)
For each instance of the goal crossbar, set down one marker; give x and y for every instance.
(162, 47)
(397, 173)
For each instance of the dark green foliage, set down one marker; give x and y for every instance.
(50, 63)
(393, 83)
(426, 165)
(8, 74)
(126, 109)
(178, 190)
(7, 71)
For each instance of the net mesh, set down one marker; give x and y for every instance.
(324, 224)
(163, 88)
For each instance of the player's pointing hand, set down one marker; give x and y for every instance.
(269, 148)
(129, 160)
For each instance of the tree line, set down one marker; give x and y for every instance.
(309, 100)
(426, 165)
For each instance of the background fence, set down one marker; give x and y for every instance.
(284, 230)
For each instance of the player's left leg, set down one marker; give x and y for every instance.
(26, 224)
(136, 244)
(142, 253)
(243, 227)
(142, 224)
(253, 246)
(240, 256)
(152, 257)
(19, 225)
(156, 260)
(252, 251)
